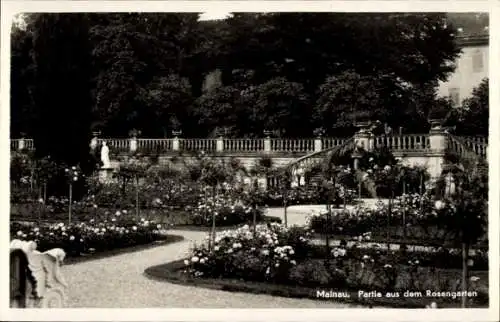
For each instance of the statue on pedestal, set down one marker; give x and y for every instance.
(105, 156)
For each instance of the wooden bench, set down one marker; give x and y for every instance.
(35, 277)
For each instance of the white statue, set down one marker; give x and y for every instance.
(50, 286)
(450, 186)
(105, 156)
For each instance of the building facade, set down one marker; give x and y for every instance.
(471, 68)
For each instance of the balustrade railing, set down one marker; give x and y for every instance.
(243, 145)
(292, 145)
(22, 144)
(403, 143)
(158, 145)
(198, 144)
(466, 148)
(478, 145)
(120, 145)
(475, 139)
(408, 142)
(328, 143)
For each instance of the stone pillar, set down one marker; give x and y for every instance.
(364, 138)
(267, 145)
(356, 156)
(175, 144)
(318, 144)
(438, 141)
(133, 144)
(21, 145)
(176, 140)
(220, 144)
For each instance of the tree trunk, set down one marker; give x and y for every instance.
(254, 220)
(465, 272)
(286, 214)
(327, 231)
(404, 212)
(137, 197)
(40, 209)
(70, 202)
(389, 214)
(213, 219)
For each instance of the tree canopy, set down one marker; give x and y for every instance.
(285, 72)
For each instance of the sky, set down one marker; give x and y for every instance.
(214, 15)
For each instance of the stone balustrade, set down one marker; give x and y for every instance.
(35, 277)
(410, 142)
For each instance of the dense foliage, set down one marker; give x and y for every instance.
(472, 118)
(288, 72)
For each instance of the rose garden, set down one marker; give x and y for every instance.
(368, 223)
(261, 160)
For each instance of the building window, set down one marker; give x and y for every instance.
(477, 62)
(454, 94)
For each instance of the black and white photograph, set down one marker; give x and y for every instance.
(252, 160)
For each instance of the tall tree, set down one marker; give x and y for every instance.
(133, 54)
(61, 52)
(349, 98)
(278, 105)
(472, 118)
(22, 109)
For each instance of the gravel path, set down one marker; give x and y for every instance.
(118, 282)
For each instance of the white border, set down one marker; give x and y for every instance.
(10, 8)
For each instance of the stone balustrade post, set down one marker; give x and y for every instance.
(176, 144)
(318, 144)
(21, 145)
(267, 145)
(438, 141)
(364, 138)
(133, 144)
(219, 144)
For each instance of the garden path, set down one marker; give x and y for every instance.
(118, 281)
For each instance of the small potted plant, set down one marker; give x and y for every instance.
(134, 133)
(438, 114)
(319, 132)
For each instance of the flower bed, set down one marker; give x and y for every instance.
(278, 259)
(226, 210)
(303, 196)
(434, 257)
(89, 237)
(409, 218)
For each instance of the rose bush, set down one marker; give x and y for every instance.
(266, 254)
(227, 209)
